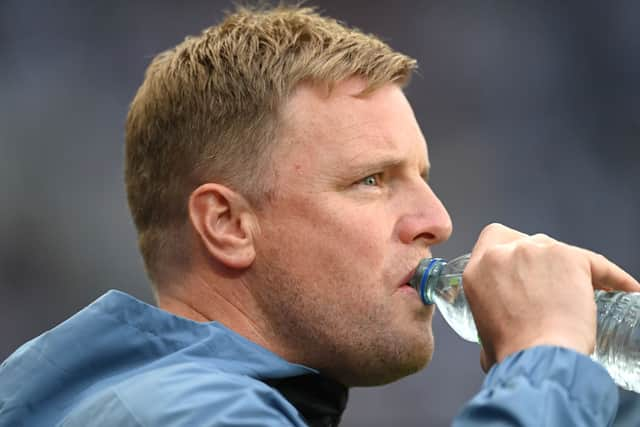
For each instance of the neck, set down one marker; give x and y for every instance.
(225, 300)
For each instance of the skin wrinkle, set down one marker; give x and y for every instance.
(231, 302)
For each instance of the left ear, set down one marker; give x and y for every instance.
(224, 222)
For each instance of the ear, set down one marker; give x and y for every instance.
(224, 223)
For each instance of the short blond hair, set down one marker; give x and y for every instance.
(207, 111)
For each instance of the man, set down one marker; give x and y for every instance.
(279, 184)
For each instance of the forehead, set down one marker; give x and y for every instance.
(342, 125)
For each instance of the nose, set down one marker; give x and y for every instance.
(426, 220)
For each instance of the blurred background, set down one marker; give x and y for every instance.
(531, 110)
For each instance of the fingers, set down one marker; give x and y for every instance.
(604, 273)
(607, 275)
(496, 234)
(509, 279)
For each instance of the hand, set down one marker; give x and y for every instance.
(526, 291)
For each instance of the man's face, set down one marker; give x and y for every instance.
(350, 218)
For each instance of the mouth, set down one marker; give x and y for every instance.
(405, 281)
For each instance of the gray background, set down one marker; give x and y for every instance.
(530, 109)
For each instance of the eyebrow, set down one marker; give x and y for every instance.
(384, 164)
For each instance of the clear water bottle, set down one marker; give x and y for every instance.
(617, 339)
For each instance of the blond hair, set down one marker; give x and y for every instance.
(207, 111)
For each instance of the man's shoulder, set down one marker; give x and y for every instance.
(191, 377)
(185, 393)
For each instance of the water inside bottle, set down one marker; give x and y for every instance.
(453, 306)
(618, 341)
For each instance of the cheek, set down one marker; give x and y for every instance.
(355, 234)
(332, 226)
(353, 255)
(327, 240)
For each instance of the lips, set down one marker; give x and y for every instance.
(405, 280)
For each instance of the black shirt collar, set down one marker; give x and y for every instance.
(320, 400)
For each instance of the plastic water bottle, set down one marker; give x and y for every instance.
(617, 339)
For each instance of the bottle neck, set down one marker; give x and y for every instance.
(426, 277)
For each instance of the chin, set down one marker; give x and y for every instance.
(390, 366)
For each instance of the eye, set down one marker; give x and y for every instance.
(371, 180)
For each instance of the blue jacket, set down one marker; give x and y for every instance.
(122, 362)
